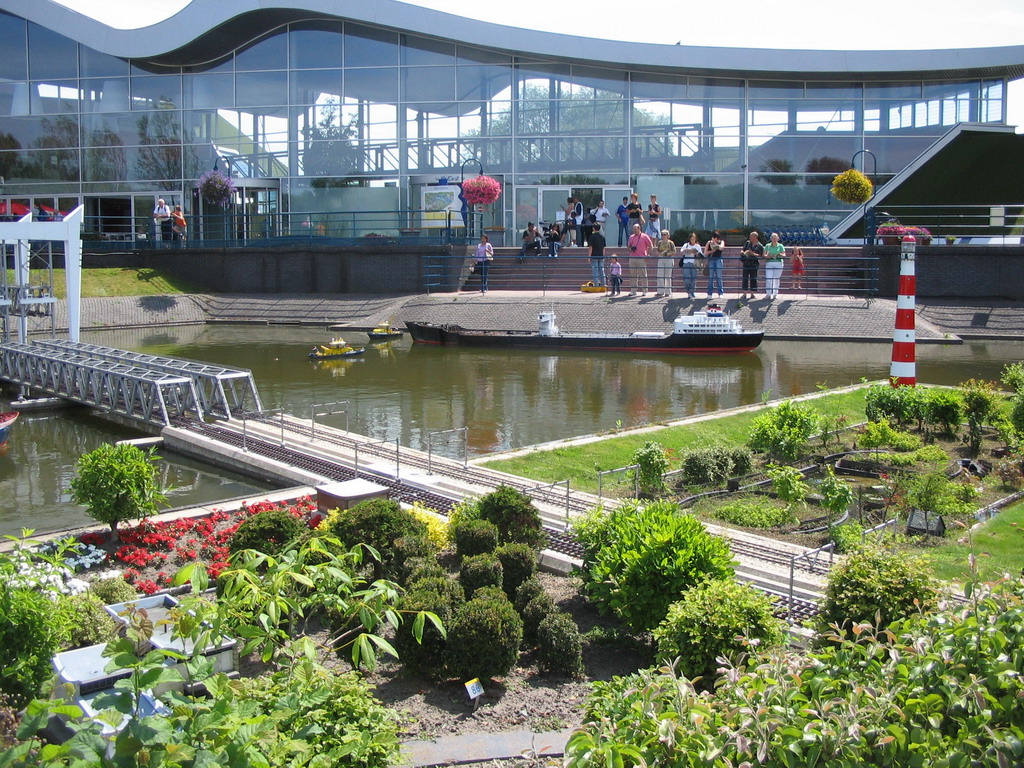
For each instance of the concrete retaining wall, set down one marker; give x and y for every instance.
(950, 271)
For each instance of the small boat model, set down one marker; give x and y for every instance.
(7, 420)
(710, 330)
(384, 332)
(336, 349)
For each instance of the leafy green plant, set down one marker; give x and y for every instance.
(270, 531)
(944, 408)
(754, 512)
(534, 613)
(113, 590)
(789, 485)
(513, 512)
(86, 620)
(720, 617)
(426, 654)
(528, 590)
(836, 494)
(375, 523)
(1013, 377)
(474, 537)
(981, 403)
(410, 552)
(518, 563)
(638, 559)
(29, 637)
(847, 537)
(484, 638)
(782, 432)
(559, 645)
(714, 465)
(876, 586)
(117, 482)
(480, 571)
(652, 464)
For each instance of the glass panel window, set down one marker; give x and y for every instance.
(156, 92)
(46, 165)
(257, 89)
(428, 83)
(313, 86)
(108, 95)
(542, 81)
(50, 55)
(788, 154)
(96, 64)
(13, 64)
(417, 51)
(482, 82)
(370, 47)
(657, 87)
(375, 85)
(56, 97)
(875, 91)
(316, 44)
(770, 89)
(209, 91)
(591, 82)
(271, 52)
(60, 131)
(834, 90)
(708, 88)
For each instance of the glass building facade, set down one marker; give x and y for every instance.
(333, 114)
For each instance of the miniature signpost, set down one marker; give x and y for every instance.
(474, 690)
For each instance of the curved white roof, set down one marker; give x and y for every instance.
(216, 26)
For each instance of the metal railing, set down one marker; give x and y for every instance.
(619, 471)
(537, 492)
(247, 228)
(813, 554)
(327, 409)
(955, 224)
(464, 431)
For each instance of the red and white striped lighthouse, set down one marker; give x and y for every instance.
(903, 370)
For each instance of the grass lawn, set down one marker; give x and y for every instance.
(580, 463)
(998, 544)
(118, 281)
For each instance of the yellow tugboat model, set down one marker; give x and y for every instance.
(336, 348)
(384, 332)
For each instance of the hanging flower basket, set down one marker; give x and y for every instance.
(216, 188)
(852, 187)
(483, 190)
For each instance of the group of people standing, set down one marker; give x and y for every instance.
(169, 223)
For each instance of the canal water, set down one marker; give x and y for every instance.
(413, 393)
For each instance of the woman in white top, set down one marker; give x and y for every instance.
(484, 255)
(774, 253)
(666, 259)
(691, 251)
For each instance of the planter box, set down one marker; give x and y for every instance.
(347, 494)
(83, 671)
(157, 608)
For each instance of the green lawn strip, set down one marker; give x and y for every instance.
(117, 281)
(580, 463)
(998, 544)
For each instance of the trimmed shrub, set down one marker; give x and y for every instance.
(534, 613)
(718, 618)
(484, 639)
(898, 404)
(480, 571)
(782, 432)
(651, 465)
(876, 586)
(86, 620)
(559, 645)
(943, 408)
(715, 465)
(513, 512)
(518, 563)
(437, 525)
(422, 568)
(462, 512)
(114, 590)
(638, 560)
(444, 585)
(754, 512)
(474, 537)
(426, 657)
(409, 552)
(528, 590)
(269, 531)
(377, 523)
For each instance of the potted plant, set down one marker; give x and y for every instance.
(892, 233)
(216, 189)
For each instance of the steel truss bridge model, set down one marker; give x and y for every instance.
(147, 388)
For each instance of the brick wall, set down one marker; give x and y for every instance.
(950, 271)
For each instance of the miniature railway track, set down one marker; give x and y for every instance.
(560, 541)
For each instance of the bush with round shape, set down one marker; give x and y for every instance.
(426, 657)
(517, 519)
(437, 525)
(782, 432)
(409, 552)
(852, 187)
(528, 590)
(480, 571)
(559, 645)
(876, 586)
(269, 531)
(943, 408)
(117, 482)
(518, 563)
(645, 557)
(113, 590)
(717, 618)
(29, 637)
(651, 464)
(848, 537)
(474, 537)
(462, 512)
(377, 523)
(86, 620)
(484, 639)
(444, 585)
(422, 568)
(534, 613)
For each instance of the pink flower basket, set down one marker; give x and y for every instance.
(483, 190)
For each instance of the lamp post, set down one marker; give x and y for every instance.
(869, 212)
(462, 179)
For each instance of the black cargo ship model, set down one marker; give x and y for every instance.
(710, 330)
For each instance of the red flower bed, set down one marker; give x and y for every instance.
(151, 545)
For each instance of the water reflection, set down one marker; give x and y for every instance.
(507, 399)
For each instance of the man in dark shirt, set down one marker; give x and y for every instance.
(597, 244)
(752, 252)
(531, 242)
(623, 216)
(635, 212)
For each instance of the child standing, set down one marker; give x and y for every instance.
(615, 273)
(798, 268)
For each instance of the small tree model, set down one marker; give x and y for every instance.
(117, 482)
